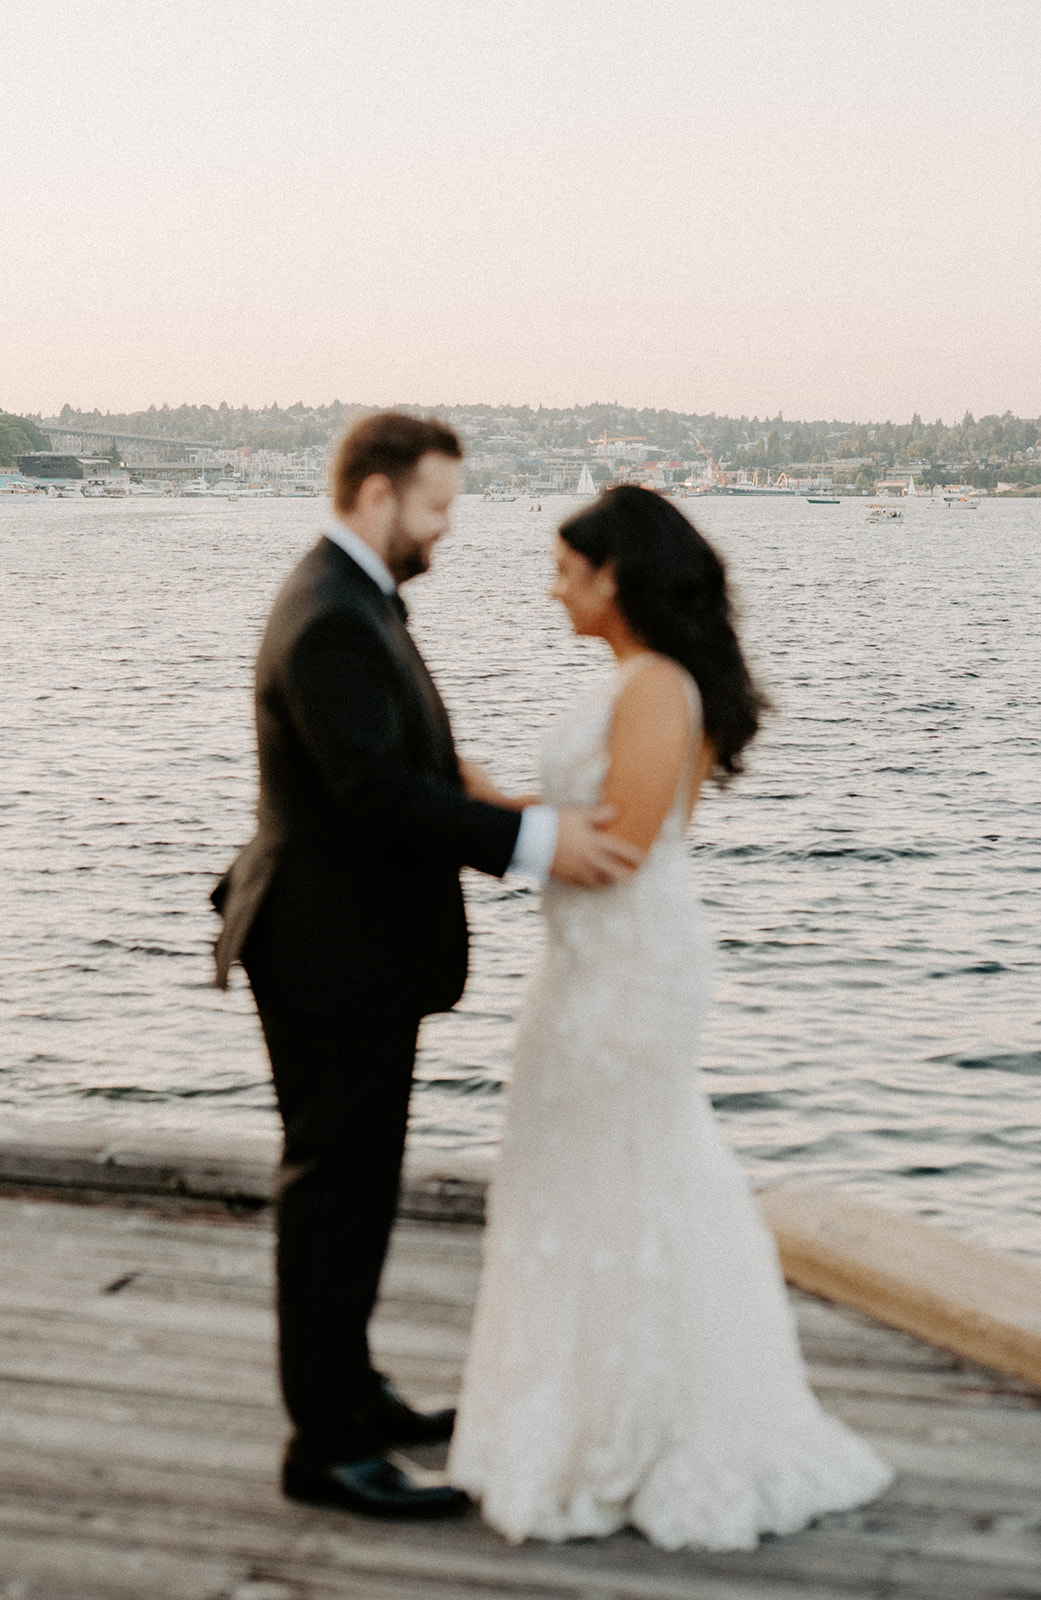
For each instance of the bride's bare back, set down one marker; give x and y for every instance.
(654, 745)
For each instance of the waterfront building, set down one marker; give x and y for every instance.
(54, 464)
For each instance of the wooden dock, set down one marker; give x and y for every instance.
(140, 1434)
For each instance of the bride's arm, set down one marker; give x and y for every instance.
(650, 748)
(480, 785)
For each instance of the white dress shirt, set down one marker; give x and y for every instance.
(537, 837)
(355, 546)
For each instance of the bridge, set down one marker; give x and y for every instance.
(135, 448)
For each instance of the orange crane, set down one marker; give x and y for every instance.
(618, 438)
(715, 470)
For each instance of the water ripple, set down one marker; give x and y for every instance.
(873, 879)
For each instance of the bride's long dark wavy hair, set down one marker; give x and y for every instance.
(672, 591)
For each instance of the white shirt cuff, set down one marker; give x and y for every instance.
(536, 843)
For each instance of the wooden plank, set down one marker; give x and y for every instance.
(149, 1419)
(91, 1438)
(1018, 1433)
(992, 1466)
(194, 1484)
(911, 1275)
(906, 1273)
(123, 1160)
(206, 1234)
(259, 1418)
(921, 1388)
(140, 1327)
(224, 1319)
(197, 1374)
(254, 1524)
(81, 1568)
(418, 1271)
(73, 1334)
(45, 1342)
(34, 1477)
(172, 1259)
(188, 1266)
(90, 1569)
(308, 1546)
(106, 1424)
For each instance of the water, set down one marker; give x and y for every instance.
(873, 880)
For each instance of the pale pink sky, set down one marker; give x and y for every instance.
(828, 209)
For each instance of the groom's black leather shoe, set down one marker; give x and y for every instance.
(373, 1486)
(397, 1423)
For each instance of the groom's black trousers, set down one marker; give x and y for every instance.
(343, 1091)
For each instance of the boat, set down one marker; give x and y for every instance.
(224, 489)
(821, 496)
(497, 493)
(756, 488)
(585, 483)
(961, 495)
(105, 489)
(236, 489)
(880, 512)
(120, 488)
(782, 486)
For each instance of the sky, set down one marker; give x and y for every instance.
(827, 208)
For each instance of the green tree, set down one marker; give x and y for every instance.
(19, 436)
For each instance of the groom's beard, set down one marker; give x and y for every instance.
(406, 555)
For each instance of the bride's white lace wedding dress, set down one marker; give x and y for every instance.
(634, 1358)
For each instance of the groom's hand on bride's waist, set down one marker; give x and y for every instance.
(586, 855)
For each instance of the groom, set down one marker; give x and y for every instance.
(346, 911)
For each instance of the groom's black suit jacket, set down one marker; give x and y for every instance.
(347, 899)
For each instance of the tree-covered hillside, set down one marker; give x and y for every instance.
(986, 451)
(260, 428)
(18, 436)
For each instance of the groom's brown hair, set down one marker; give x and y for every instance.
(389, 443)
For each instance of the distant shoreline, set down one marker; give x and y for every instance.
(539, 450)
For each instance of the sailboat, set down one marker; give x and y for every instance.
(821, 496)
(585, 483)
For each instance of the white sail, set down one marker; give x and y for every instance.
(585, 483)
(911, 490)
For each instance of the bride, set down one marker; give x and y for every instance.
(634, 1358)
